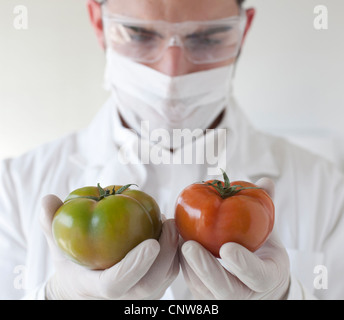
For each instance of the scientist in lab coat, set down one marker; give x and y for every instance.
(170, 66)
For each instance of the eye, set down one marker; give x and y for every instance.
(141, 37)
(139, 34)
(202, 41)
(210, 37)
(209, 41)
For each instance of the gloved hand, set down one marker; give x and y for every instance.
(239, 274)
(144, 273)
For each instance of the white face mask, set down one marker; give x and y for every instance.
(164, 103)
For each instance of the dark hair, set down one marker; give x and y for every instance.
(240, 2)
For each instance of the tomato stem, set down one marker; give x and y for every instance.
(225, 189)
(119, 191)
(103, 193)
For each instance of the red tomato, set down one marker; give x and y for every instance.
(215, 212)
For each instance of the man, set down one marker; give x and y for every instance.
(169, 66)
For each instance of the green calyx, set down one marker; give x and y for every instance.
(227, 190)
(103, 193)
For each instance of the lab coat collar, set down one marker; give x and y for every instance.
(99, 145)
(246, 151)
(249, 151)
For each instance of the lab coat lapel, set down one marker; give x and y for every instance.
(99, 151)
(247, 148)
(105, 141)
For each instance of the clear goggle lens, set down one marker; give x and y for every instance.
(202, 41)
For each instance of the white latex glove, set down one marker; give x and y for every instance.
(144, 273)
(239, 274)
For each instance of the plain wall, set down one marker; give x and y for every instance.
(51, 75)
(289, 79)
(291, 74)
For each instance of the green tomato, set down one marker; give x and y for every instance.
(97, 227)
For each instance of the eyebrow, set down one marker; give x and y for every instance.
(210, 31)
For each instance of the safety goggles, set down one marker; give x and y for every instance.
(202, 41)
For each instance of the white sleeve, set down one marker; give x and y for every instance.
(311, 224)
(37, 294)
(12, 238)
(298, 292)
(332, 242)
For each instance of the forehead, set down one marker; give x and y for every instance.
(174, 10)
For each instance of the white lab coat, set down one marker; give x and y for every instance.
(309, 199)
